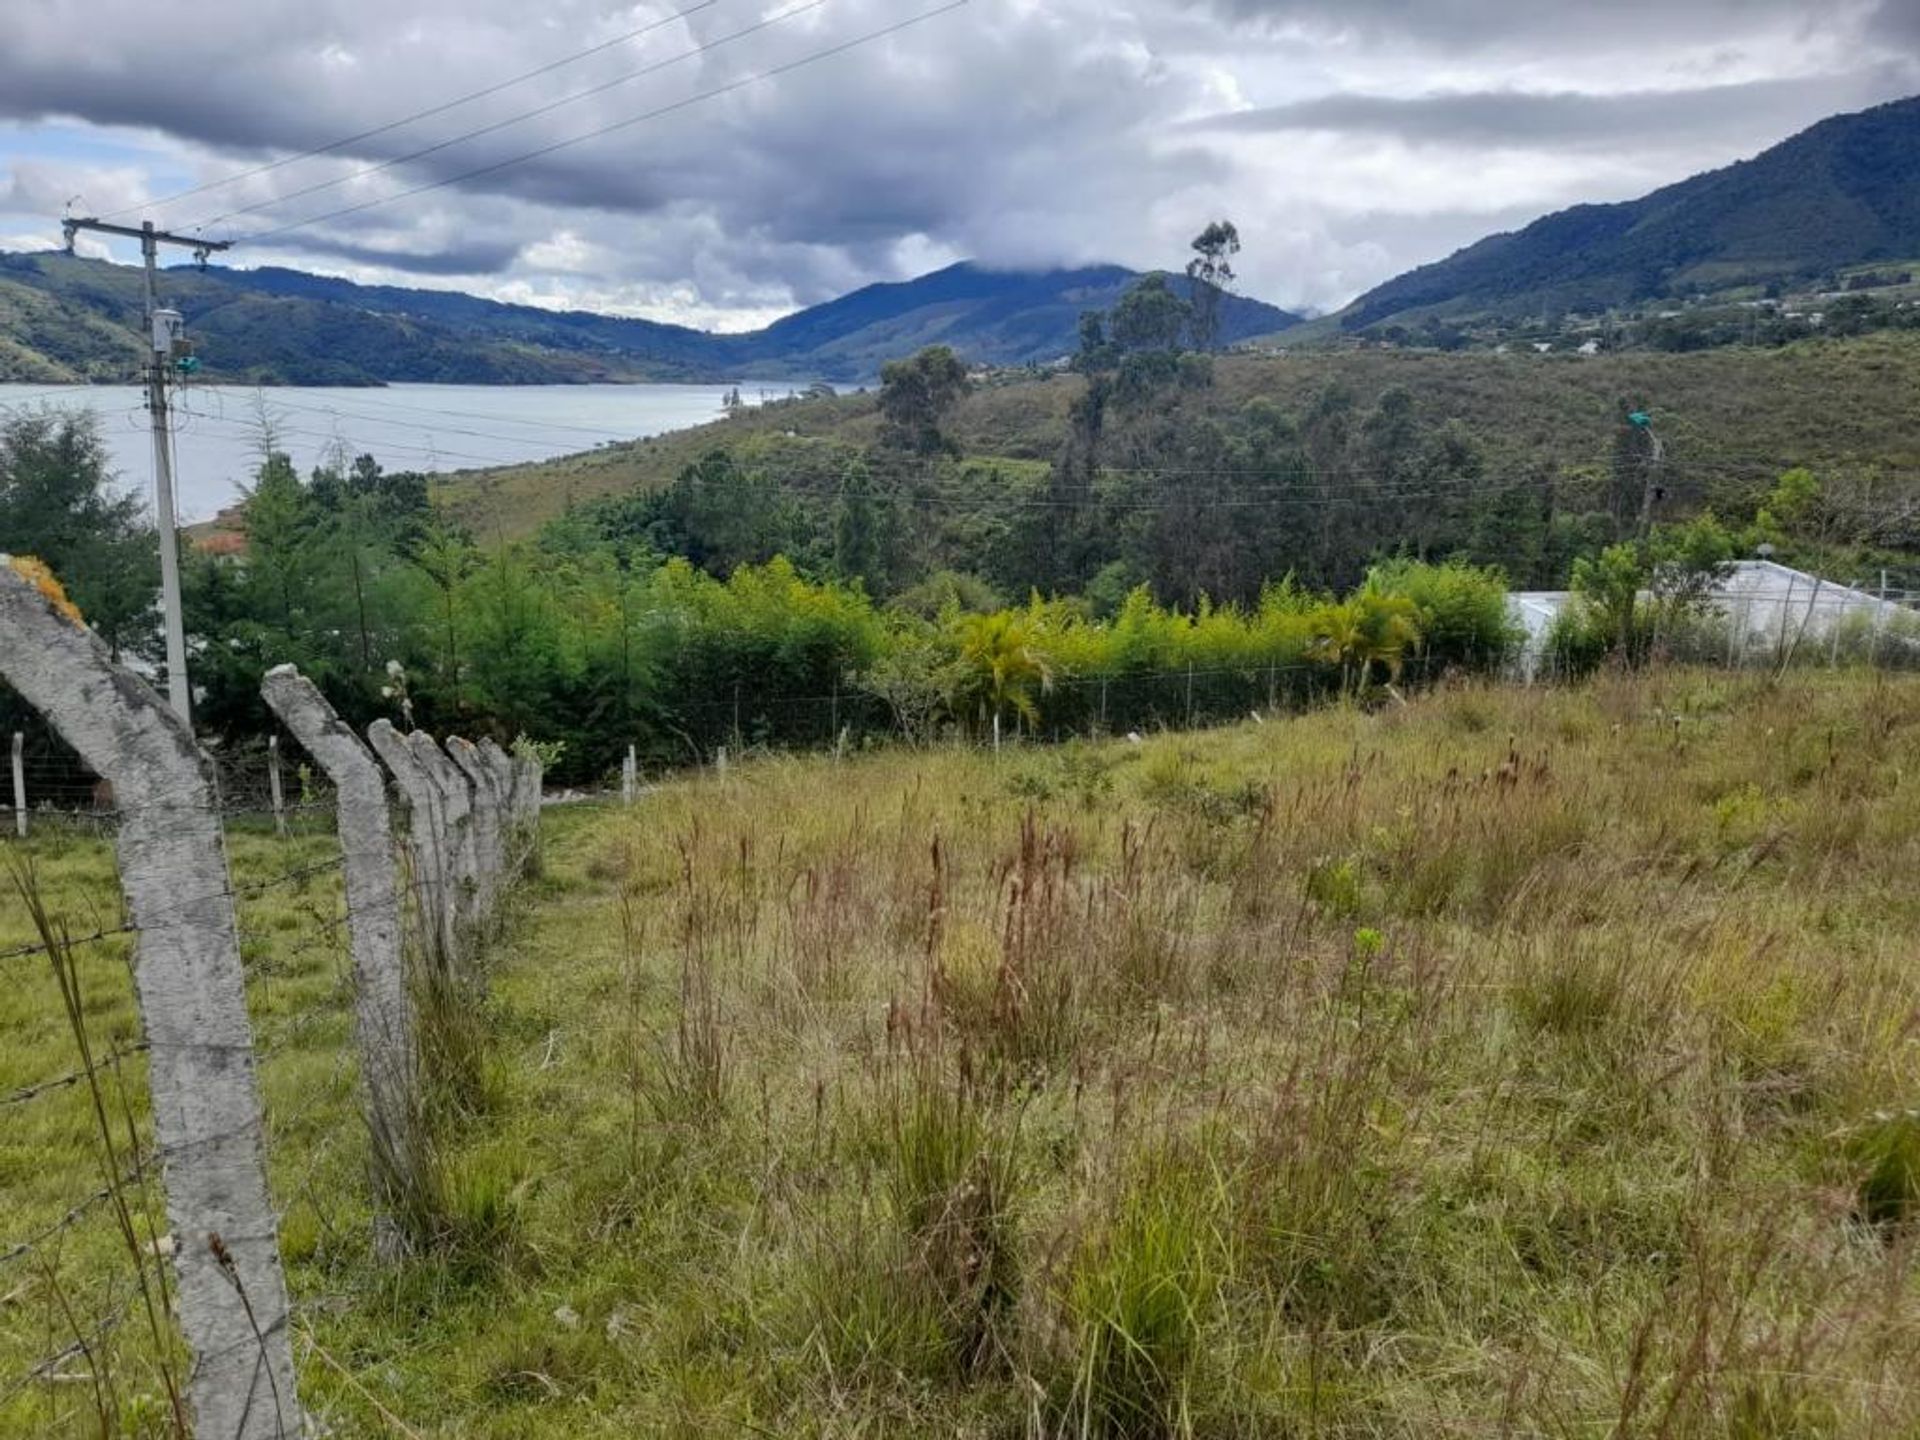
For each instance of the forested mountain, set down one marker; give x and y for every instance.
(1845, 192)
(63, 318)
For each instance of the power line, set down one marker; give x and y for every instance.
(380, 165)
(331, 408)
(419, 115)
(757, 77)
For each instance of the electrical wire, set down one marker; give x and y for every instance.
(758, 77)
(338, 411)
(417, 115)
(382, 165)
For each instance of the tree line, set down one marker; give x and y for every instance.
(1172, 563)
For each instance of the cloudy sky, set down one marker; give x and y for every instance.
(1350, 139)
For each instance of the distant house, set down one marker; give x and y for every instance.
(1762, 603)
(1533, 613)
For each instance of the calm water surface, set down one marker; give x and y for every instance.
(405, 427)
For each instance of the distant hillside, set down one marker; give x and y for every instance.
(63, 318)
(1732, 418)
(1846, 192)
(993, 317)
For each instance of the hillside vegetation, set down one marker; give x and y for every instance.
(1731, 418)
(1513, 1062)
(67, 319)
(1840, 194)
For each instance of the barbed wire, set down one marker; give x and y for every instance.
(62, 1082)
(43, 1368)
(134, 1176)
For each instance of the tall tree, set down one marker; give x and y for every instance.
(915, 398)
(57, 502)
(1211, 271)
(1149, 317)
(858, 542)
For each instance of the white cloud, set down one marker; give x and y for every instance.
(1374, 134)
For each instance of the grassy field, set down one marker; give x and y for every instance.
(1512, 1063)
(1729, 417)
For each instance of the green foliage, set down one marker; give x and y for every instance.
(1001, 670)
(916, 395)
(1149, 319)
(57, 503)
(1631, 594)
(1887, 1155)
(1460, 611)
(327, 584)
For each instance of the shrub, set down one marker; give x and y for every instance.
(1463, 616)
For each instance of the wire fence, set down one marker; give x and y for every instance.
(84, 1213)
(83, 1234)
(123, 1185)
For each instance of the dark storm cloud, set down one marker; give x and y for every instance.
(460, 256)
(1898, 24)
(1650, 26)
(1497, 118)
(1017, 132)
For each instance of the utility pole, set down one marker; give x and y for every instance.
(165, 338)
(1651, 489)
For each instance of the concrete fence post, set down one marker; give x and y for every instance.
(20, 784)
(274, 792)
(629, 775)
(382, 1001)
(460, 849)
(426, 829)
(192, 993)
(513, 824)
(527, 777)
(488, 824)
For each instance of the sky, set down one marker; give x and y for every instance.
(722, 162)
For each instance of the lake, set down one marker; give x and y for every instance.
(405, 427)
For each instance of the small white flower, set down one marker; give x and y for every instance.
(396, 669)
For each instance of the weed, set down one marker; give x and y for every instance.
(1141, 1296)
(1886, 1153)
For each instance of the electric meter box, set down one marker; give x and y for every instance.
(169, 331)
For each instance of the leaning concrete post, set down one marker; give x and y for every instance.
(461, 852)
(192, 993)
(528, 775)
(273, 787)
(513, 828)
(382, 1003)
(426, 829)
(487, 822)
(20, 784)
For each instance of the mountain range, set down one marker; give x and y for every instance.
(64, 318)
(1844, 193)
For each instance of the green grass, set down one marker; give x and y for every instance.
(1330, 1077)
